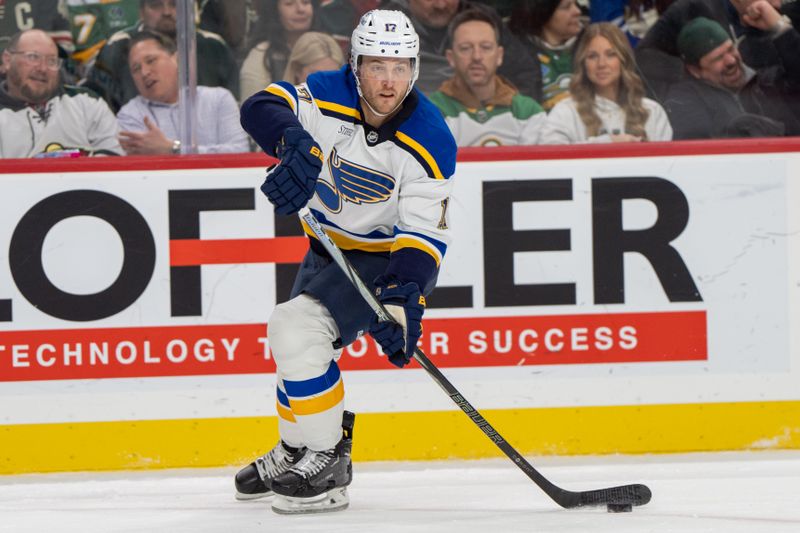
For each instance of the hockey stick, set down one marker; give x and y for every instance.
(620, 498)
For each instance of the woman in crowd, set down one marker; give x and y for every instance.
(606, 101)
(285, 21)
(311, 53)
(550, 28)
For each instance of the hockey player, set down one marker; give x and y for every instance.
(372, 158)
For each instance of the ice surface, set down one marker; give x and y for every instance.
(752, 492)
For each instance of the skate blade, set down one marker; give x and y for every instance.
(242, 497)
(327, 502)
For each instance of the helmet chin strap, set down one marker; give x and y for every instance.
(378, 113)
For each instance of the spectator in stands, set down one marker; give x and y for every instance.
(606, 102)
(339, 17)
(93, 22)
(431, 18)
(634, 17)
(39, 115)
(149, 122)
(722, 96)
(46, 15)
(233, 20)
(286, 21)
(657, 53)
(550, 28)
(111, 78)
(480, 107)
(504, 8)
(312, 52)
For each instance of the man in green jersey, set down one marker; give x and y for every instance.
(480, 107)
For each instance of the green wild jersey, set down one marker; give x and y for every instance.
(47, 15)
(492, 125)
(556, 74)
(94, 21)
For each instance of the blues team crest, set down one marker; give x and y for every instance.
(353, 183)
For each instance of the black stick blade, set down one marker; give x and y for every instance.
(623, 495)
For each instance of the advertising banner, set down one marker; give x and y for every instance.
(585, 281)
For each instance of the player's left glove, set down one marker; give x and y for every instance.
(291, 183)
(406, 304)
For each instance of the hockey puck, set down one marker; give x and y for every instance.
(619, 507)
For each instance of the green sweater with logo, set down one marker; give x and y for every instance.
(510, 118)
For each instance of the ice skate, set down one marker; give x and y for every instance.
(317, 482)
(253, 481)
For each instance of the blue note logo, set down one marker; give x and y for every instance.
(352, 183)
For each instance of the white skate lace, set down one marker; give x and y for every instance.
(312, 463)
(274, 462)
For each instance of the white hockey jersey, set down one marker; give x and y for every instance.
(380, 190)
(72, 119)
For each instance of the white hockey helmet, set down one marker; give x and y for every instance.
(384, 33)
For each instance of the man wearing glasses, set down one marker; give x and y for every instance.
(40, 116)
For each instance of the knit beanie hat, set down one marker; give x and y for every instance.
(698, 37)
(540, 12)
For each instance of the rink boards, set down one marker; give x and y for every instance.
(594, 300)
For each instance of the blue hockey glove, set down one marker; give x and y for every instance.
(406, 304)
(290, 184)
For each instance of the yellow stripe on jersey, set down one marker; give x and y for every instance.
(338, 108)
(285, 413)
(320, 403)
(277, 90)
(348, 243)
(422, 152)
(406, 242)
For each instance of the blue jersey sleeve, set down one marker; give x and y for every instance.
(267, 114)
(413, 265)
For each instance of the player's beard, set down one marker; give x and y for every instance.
(384, 107)
(381, 105)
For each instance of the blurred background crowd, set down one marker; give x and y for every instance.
(95, 77)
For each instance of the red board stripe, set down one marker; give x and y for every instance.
(468, 154)
(191, 252)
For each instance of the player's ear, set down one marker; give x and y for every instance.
(500, 55)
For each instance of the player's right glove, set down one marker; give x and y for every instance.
(406, 304)
(290, 184)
